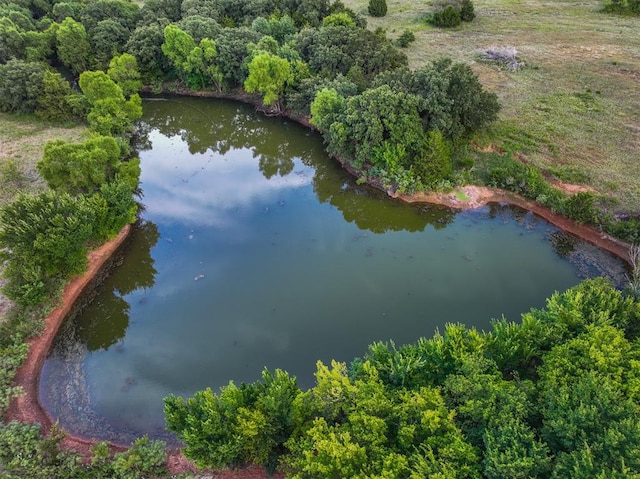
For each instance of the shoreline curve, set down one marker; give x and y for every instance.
(27, 407)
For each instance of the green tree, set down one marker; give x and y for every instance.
(123, 70)
(73, 45)
(232, 54)
(55, 101)
(80, 168)
(177, 46)
(110, 114)
(107, 39)
(44, 241)
(20, 85)
(512, 450)
(12, 42)
(377, 8)
(200, 27)
(269, 75)
(201, 68)
(145, 43)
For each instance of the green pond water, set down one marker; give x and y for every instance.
(256, 250)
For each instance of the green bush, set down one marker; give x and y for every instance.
(377, 8)
(434, 163)
(449, 17)
(44, 240)
(143, 458)
(581, 208)
(80, 168)
(406, 38)
(467, 12)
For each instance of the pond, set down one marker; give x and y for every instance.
(257, 250)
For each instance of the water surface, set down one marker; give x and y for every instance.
(256, 250)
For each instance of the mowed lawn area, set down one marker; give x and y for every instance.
(574, 108)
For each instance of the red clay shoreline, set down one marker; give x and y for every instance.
(27, 408)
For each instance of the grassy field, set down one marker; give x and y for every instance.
(573, 109)
(23, 139)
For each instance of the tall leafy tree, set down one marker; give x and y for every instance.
(79, 168)
(145, 43)
(123, 70)
(268, 74)
(12, 42)
(44, 239)
(20, 85)
(110, 114)
(177, 46)
(73, 45)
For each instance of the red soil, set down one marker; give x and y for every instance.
(27, 408)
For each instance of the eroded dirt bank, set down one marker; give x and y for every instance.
(27, 408)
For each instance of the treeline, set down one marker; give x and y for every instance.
(554, 396)
(286, 51)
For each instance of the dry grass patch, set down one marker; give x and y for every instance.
(576, 100)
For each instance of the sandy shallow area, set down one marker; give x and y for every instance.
(27, 408)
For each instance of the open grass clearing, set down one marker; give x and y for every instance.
(575, 103)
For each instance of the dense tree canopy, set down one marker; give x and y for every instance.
(454, 406)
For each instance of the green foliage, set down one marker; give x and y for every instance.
(581, 207)
(232, 52)
(73, 46)
(335, 49)
(467, 11)
(407, 37)
(144, 457)
(123, 70)
(268, 75)
(13, 351)
(43, 239)
(243, 425)
(454, 100)
(20, 85)
(177, 46)
(110, 114)
(24, 453)
(451, 13)
(78, 168)
(377, 8)
(12, 40)
(623, 7)
(107, 39)
(145, 43)
(200, 27)
(113, 207)
(512, 450)
(56, 99)
(201, 69)
(448, 17)
(339, 19)
(434, 163)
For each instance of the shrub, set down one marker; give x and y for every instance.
(144, 457)
(43, 238)
(406, 38)
(467, 12)
(377, 8)
(434, 163)
(581, 207)
(449, 17)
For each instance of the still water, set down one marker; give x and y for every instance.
(256, 250)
